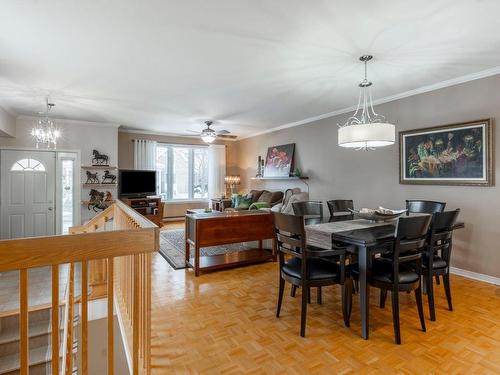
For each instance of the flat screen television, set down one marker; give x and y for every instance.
(136, 183)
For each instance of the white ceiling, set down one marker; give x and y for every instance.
(252, 65)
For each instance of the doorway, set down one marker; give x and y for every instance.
(38, 193)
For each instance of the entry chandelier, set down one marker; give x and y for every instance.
(45, 131)
(365, 129)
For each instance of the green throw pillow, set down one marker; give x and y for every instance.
(244, 202)
(259, 205)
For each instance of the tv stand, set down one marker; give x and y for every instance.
(151, 208)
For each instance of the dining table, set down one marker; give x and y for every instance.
(365, 238)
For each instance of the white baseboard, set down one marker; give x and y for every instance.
(475, 276)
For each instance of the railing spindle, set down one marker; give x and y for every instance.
(110, 318)
(70, 323)
(135, 315)
(23, 322)
(85, 319)
(55, 319)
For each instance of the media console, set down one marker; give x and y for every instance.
(151, 208)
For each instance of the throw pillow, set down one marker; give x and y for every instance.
(265, 196)
(244, 203)
(277, 207)
(288, 209)
(259, 205)
(235, 200)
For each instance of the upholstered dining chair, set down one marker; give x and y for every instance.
(437, 255)
(425, 207)
(340, 206)
(305, 267)
(401, 269)
(308, 208)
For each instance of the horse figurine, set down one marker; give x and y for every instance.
(92, 178)
(96, 200)
(99, 159)
(109, 197)
(108, 176)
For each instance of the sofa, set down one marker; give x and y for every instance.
(255, 199)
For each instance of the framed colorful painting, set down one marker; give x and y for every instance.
(457, 154)
(279, 160)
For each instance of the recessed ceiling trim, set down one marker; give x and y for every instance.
(68, 121)
(387, 99)
(165, 134)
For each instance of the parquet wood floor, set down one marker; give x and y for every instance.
(224, 323)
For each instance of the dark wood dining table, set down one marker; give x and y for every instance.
(365, 242)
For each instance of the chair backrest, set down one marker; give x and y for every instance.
(290, 233)
(308, 208)
(424, 207)
(337, 206)
(411, 233)
(441, 233)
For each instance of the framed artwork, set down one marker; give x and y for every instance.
(279, 160)
(457, 154)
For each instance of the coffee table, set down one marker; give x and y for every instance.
(221, 228)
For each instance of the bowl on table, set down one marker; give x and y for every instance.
(379, 214)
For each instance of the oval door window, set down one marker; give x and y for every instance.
(28, 165)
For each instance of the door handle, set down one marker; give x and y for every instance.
(50, 208)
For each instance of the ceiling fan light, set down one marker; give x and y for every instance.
(208, 138)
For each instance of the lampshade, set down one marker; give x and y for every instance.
(366, 136)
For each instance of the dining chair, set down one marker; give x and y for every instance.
(306, 267)
(308, 208)
(401, 269)
(437, 254)
(340, 206)
(424, 207)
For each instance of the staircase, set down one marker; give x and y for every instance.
(40, 352)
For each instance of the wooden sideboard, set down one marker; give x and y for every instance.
(221, 228)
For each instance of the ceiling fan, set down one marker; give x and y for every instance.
(208, 135)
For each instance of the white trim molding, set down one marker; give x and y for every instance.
(420, 90)
(475, 276)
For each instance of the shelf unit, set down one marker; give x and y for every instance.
(108, 167)
(110, 202)
(281, 178)
(85, 185)
(151, 208)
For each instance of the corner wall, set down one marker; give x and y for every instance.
(371, 178)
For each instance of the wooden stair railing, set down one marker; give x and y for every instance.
(118, 240)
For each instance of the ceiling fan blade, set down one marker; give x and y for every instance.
(223, 131)
(227, 136)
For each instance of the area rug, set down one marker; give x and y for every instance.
(172, 248)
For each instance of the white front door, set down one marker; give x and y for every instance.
(27, 198)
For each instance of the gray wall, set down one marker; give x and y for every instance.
(371, 178)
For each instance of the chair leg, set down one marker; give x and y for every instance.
(430, 295)
(309, 295)
(355, 288)
(437, 280)
(447, 290)
(303, 312)
(280, 296)
(347, 301)
(395, 316)
(418, 297)
(319, 297)
(293, 290)
(383, 296)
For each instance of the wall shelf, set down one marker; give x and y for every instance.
(281, 178)
(111, 201)
(108, 167)
(99, 185)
